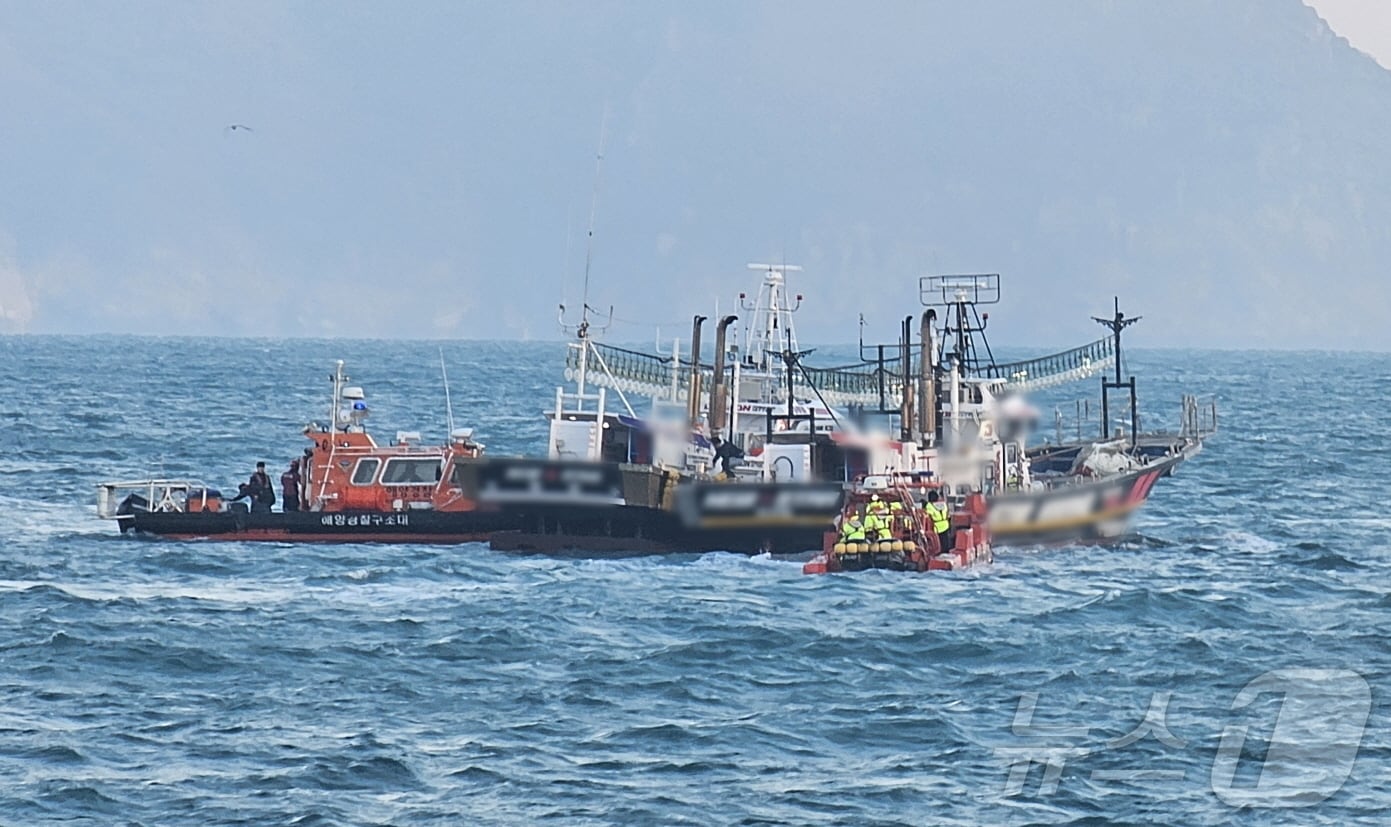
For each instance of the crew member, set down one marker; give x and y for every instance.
(876, 523)
(725, 454)
(243, 492)
(941, 520)
(261, 491)
(852, 530)
(886, 523)
(289, 487)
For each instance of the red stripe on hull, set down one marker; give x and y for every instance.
(1141, 490)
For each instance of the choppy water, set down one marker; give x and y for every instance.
(151, 682)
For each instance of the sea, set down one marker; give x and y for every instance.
(1228, 663)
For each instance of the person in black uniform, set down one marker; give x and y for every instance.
(725, 454)
(261, 491)
(289, 488)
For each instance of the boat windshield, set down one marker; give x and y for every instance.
(411, 472)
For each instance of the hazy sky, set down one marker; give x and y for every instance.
(426, 170)
(1365, 23)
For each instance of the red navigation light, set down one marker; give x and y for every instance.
(799, 297)
(743, 295)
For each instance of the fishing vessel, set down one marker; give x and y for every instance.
(941, 407)
(789, 440)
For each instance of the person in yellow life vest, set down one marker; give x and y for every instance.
(871, 517)
(852, 530)
(941, 521)
(877, 525)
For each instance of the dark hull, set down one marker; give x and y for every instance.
(646, 512)
(1087, 512)
(617, 530)
(312, 527)
(628, 530)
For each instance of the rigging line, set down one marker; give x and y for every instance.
(594, 207)
(605, 366)
(980, 326)
(565, 264)
(817, 391)
(646, 322)
(448, 405)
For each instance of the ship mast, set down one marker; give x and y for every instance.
(770, 330)
(1116, 324)
(581, 330)
(963, 323)
(961, 295)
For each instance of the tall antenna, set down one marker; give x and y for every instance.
(594, 209)
(581, 330)
(565, 262)
(448, 405)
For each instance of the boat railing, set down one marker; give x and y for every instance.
(1054, 369)
(1199, 417)
(571, 405)
(864, 383)
(1083, 424)
(645, 373)
(861, 383)
(159, 494)
(651, 374)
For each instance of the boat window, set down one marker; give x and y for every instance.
(411, 472)
(366, 471)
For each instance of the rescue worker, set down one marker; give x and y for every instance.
(852, 530)
(886, 522)
(941, 521)
(876, 521)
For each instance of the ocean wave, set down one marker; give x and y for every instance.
(158, 682)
